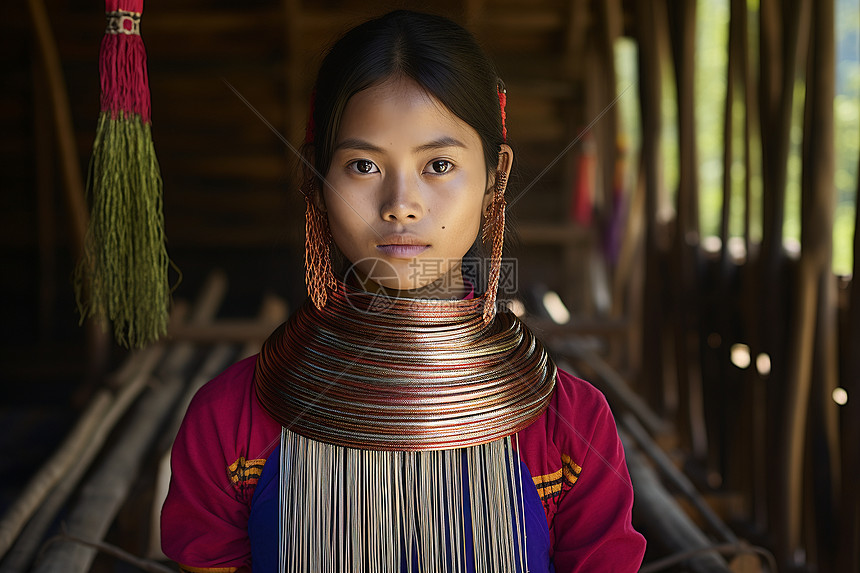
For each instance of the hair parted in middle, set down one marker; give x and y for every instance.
(436, 53)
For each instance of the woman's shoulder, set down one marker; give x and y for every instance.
(557, 445)
(575, 411)
(227, 388)
(226, 415)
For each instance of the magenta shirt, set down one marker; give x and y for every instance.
(572, 451)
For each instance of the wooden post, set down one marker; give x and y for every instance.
(647, 13)
(682, 19)
(817, 213)
(848, 550)
(755, 396)
(778, 54)
(813, 275)
(718, 389)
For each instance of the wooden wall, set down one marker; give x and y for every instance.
(229, 181)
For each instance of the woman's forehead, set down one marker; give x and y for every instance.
(400, 109)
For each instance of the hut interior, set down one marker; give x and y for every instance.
(684, 206)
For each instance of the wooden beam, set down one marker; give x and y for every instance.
(664, 523)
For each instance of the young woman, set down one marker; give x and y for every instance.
(398, 422)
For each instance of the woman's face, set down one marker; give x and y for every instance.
(406, 189)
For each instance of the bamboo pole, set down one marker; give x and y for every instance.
(626, 294)
(683, 284)
(665, 524)
(226, 330)
(104, 492)
(813, 418)
(615, 388)
(57, 479)
(755, 395)
(817, 229)
(780, 48)
(794, 423)
(605, 30)
(717, 389)
(675, 476)
(45, 180)
(647, 13)
(682, 19)
(75, 455)
(781, 43)
(90, 430)
(109, 484)
(75, 195)
(52, 471)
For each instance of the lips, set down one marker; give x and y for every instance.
(402, 247)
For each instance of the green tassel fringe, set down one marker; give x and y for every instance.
(122, 275)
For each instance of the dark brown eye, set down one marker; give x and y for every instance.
(363, 166)
(441, 166)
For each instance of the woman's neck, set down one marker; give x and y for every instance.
(449, 286)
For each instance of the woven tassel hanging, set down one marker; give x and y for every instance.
(123, 273)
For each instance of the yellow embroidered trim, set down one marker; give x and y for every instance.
(189, 569)
(244, 471)
(570, 470)
(550, 485)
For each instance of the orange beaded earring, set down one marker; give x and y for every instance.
(318, 272)
(494, 227)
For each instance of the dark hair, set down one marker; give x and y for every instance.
(438, 54)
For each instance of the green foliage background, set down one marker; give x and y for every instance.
(712, 28)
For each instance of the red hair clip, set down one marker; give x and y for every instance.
(503, 101)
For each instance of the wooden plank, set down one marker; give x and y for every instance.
(818, 194)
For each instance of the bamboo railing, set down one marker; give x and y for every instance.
(771, 434)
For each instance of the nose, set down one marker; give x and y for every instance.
(402, 200)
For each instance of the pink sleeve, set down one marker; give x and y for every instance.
(204, 519)
(592, 527)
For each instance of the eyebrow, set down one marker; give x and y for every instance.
(362, 145)
(357, 144)
(440, 143)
